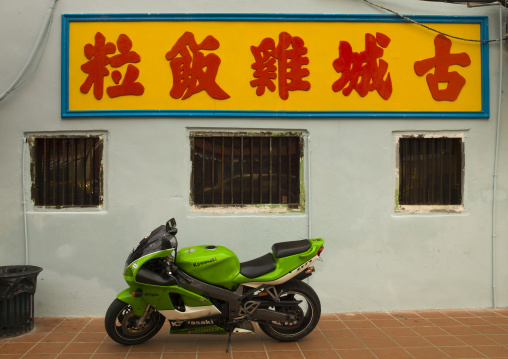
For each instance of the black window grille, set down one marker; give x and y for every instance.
(67, 171)
(245, 169)
(430, 171)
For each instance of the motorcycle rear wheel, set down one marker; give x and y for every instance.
(307, 313)
(121, 324)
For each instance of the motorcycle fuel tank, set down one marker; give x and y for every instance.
(212, 264)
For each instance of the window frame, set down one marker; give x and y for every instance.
(429, 208)
(30, 170)
(247, 207)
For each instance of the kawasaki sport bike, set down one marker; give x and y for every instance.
(206, 290)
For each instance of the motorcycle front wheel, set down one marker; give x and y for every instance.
(306, 315)
(122, 324)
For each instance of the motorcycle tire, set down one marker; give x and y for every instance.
(121, 326)
(306, 317)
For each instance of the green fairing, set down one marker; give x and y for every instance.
(138, 305)
(134, 267)
(217, 266)
(220, 266)
(157, 296)
(189, 298)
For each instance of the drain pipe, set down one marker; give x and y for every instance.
(308, 205)
(22, 77)
(25, 143)
(309, 194)
(494, 184)
(32, 61)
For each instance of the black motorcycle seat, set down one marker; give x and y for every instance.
(284, 249)
(257, 267)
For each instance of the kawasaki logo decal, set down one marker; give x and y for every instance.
(205, 262)
(203, 330)
(177, 323)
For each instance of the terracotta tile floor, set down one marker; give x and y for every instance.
(429, 334)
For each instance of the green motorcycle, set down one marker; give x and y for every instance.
(206, 290)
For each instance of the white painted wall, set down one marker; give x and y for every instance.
(374, 259)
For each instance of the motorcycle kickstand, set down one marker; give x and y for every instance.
(229, 338)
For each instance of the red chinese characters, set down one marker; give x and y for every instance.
(279, 64)
(193, 71)
(99, 59)
(442, 60)
(290, 59)
(363, 71)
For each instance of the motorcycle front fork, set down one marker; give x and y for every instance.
(141, 321)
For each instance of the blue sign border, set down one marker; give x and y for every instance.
(485, 91)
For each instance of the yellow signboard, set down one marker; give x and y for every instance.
(267, 65)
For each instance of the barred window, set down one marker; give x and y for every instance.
(430, 171)
(67, 171)
(245, 169)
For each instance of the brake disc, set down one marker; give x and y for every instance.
(130, 327)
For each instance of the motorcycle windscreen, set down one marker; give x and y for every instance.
(149, 244)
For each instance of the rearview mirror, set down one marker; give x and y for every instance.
(170, 224)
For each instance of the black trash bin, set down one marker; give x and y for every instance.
(17, 289)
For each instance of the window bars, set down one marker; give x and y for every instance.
(245, 169)
(430, 171)
(67, 171)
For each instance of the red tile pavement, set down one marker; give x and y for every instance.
(424, 334)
